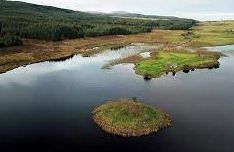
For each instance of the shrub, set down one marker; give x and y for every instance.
(119, 31)
(10, 40)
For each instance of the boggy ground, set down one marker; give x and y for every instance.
(34, 51)
(204, 34)
(130, 118)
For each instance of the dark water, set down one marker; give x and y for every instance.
(47, 106)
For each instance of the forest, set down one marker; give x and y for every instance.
(19, 20)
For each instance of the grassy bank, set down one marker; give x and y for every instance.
(173, 61)
(128, 118)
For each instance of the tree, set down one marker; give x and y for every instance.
(23, 20)
(0, 28)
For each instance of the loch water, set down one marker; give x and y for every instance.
(48, 106)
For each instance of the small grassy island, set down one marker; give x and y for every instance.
(173, 61)
(129, 118)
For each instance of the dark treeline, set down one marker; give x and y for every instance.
(23, 20)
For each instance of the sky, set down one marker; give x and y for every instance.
(196, 9)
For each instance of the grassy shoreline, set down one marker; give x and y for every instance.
(130, 119)
(35, 51)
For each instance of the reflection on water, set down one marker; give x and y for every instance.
(28, 74)
(145, 54)
(47, 106)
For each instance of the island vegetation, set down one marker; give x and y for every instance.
(130, 118)
(163, 62)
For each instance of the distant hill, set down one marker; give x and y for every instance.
(24, 20)
(123, 14)
(120, 13)
(135, 15)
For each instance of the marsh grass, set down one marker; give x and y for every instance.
(213, 34)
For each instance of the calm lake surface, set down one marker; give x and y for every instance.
(47, 106)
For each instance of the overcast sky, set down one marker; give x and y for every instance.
(197, 9)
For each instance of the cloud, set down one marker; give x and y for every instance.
(155, 7)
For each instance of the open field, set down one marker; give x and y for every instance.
(129, 118)
(213, 34)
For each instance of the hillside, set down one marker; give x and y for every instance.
(23, 20)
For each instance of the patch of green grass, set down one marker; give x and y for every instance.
(128, 118)
(174, 61)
